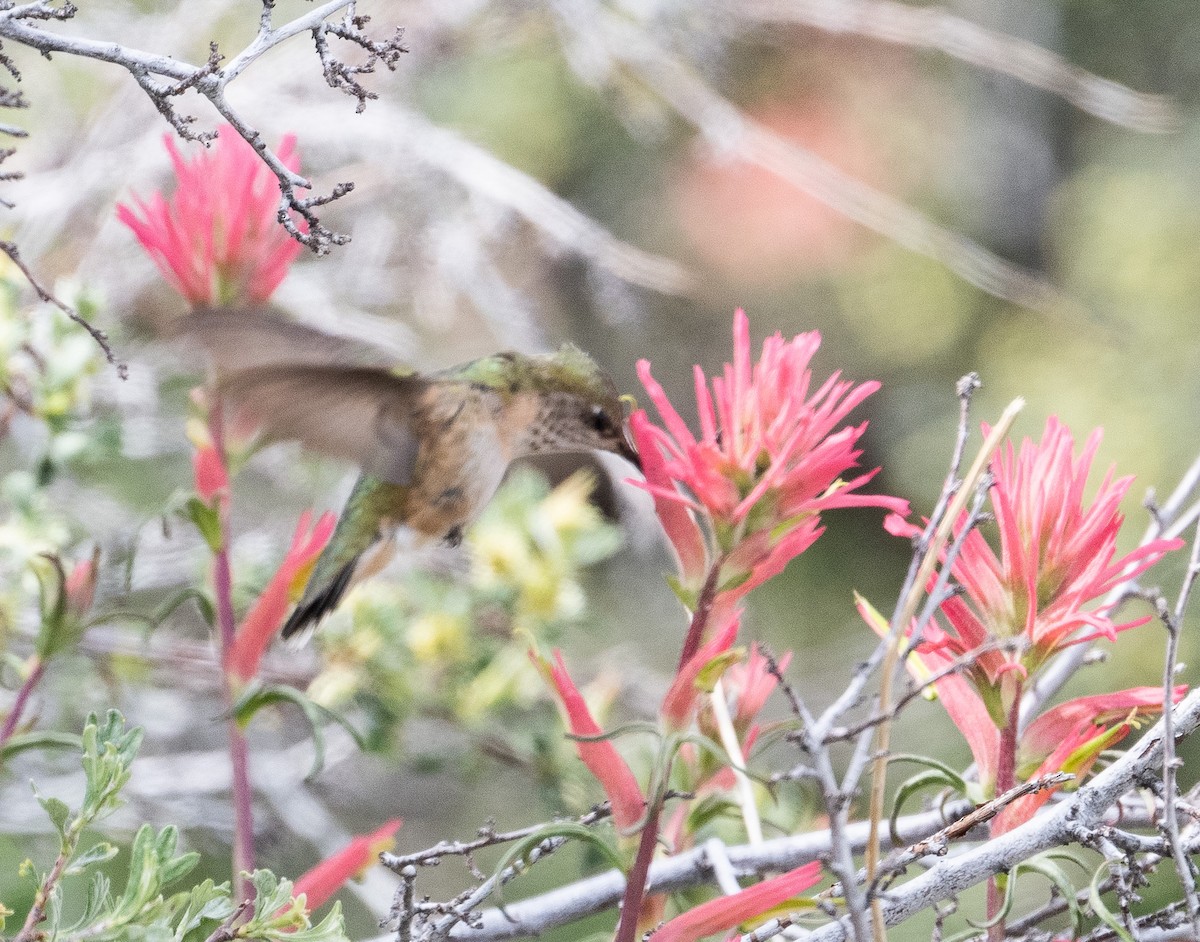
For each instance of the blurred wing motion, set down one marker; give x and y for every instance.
(244, 338)
(360, 414)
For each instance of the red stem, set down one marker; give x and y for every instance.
(704, 604)
(18, 707)
(635, 885)
(243, 811)
(1006, 778)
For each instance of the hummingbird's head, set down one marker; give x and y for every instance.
(578, 407)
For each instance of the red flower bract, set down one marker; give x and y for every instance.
(212, 479)
(767, 463)
(326, 878)
(1057, 554)
(266, 615)
(728, 911)
(218, 240)
(600, 756)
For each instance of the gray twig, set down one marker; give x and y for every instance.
(936, 28)
(1169, 820)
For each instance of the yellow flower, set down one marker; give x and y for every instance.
(437, 637)
(335, 685)
(509, 678)
(501, 555)
(567, 508)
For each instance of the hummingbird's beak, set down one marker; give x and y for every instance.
(628, 452)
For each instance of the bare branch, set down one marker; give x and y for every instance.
(1085, 807)
(732, 133)
(488, 837)
(559, 907)
(343, 77)
(1169, 821)
(210, 80)
(837, 801)
(487, 175)
(936, 28)
(101, 338)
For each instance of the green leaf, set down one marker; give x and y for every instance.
(711, 672)
(201, 908)
(38, 740)
(57, 810)
(141, 883)
(915, 784)
(207, 520)
(97, 899)
(172, 868)
(1106, 915)
(1009, 887)
(1044, 864)
(330, 929)
(518, 854)
(949, 773)
(108, 752)
(203, 602)
(96, 854)
(54, 629)
(280, 918)
(256, 697)
(685, 595)
(708, 809)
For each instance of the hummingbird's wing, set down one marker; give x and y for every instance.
(246, 338)
(359, 414)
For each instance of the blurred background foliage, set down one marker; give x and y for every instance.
(451, 258)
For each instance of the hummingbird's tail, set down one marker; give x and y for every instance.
(360, 547)
(312, 609)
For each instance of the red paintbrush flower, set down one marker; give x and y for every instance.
(1070, 738)
(326, 878)
(748, 492)
(726, 912)
(1058, 554)
(749, 684)
(600, 756)
(266, 615)
(680, 701)
(212, 480)
(218, 240)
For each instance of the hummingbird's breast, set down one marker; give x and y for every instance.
(463, 456)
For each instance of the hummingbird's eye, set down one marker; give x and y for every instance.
(600, 422)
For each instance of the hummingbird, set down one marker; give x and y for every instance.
(433, 448)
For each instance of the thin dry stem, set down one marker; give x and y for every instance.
(937, 29)
(902, 618)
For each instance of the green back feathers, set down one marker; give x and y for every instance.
(568, 370)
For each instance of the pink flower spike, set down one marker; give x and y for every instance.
(1057, 557)
(217, 240)
(600, 756)
(770, 459)
(677, 520)
(326, 878)
(726, 912)
(751, 683)
(79, 588)
(680, 700)
(1050, 729)
(208, 469)
(266, 615)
